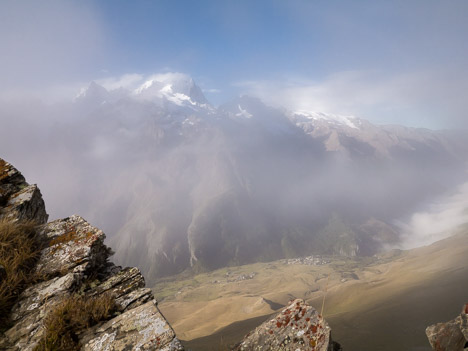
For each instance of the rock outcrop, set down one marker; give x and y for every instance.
(452, 335)
(297, 327)
(74, 261)
(18, 199)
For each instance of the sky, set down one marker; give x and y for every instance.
(388, 61)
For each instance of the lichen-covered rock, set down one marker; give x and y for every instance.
(33, 298)
(18, 199)
(33, 305)
(9, 176)
(140, 328)
(464, 322)
(72, 243)
(297, 327)
(74, 261)
(450, 336)
(127, 286)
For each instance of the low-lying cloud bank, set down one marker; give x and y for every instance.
(442, 219)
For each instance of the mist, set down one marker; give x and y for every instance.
(442, 218)
(49, 48)
(181, 185)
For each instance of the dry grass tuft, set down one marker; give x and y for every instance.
(72, 316)
(19, 251)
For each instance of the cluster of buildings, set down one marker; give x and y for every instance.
(317, 260)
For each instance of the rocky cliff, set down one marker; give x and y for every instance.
(72, 265)
(452, 335)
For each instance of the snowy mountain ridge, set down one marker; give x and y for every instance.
(306, 116)
(175, 88)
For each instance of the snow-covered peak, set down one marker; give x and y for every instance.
(177, 88)
(305, 116)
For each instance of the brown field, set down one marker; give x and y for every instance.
(388, 307)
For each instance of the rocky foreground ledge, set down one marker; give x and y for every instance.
(74, 261)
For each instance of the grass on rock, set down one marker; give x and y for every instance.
(75, 314)
(19, 251)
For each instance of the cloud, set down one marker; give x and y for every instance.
(212, 91)
(48, 43)
(424, 99)
(127, 81)
(439, 221)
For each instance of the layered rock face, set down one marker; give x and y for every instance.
(18, 199)
(74, 260)
(297, 327)
(452, 335)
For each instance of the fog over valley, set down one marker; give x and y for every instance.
(180, 184)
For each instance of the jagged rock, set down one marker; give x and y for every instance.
(297, 327)
(464, 322)
(127, 286)
(9, 175)
(74, 260)
(141, 328)
(450, 336)
(72, 244)
(33, 305)
(18, 199)
(74, 252)
(33, 298)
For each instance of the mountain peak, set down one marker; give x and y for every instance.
(178, 88)
(94, 92)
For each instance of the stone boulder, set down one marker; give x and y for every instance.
(452, 335)
(297, 327)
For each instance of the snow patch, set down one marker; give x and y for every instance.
(243, 113)
(349, 121)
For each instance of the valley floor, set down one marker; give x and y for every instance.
(382, 303)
